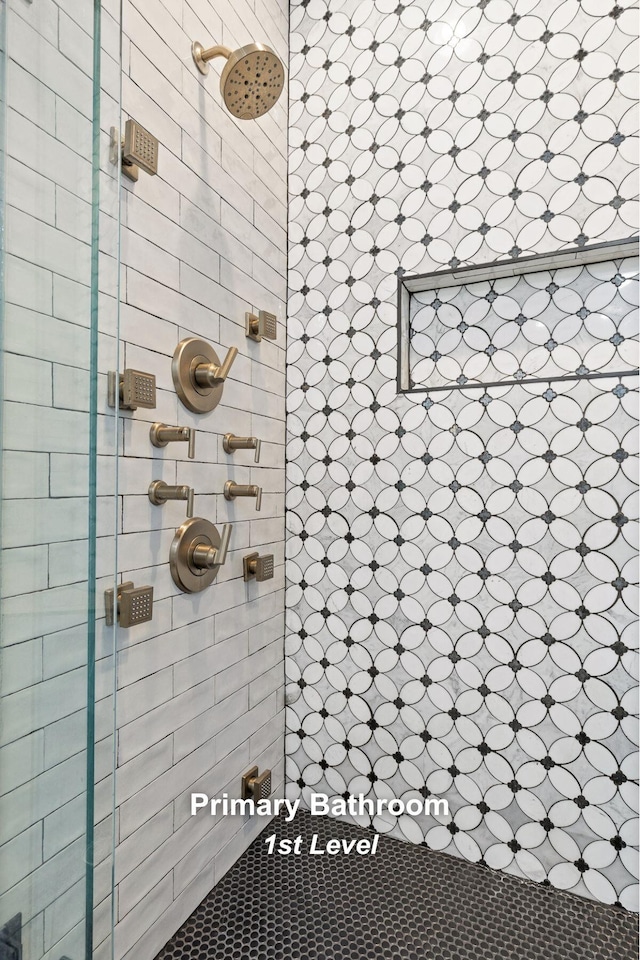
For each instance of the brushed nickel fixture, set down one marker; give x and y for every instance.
(252, 79)
(264, 325)
(233, 490)
(256, 787)
(255, 567)
(130, 606)
(135, 388)
(230, 443)
(197, 553)
(138, 150)
(160, 492)
(160, 435)
(198, 375)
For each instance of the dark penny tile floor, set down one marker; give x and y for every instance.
(403, 903)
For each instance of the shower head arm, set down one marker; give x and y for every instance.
(202, 56)
(217, 51)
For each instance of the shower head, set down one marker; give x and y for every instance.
(251, 81)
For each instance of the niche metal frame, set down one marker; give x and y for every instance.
(478, 273)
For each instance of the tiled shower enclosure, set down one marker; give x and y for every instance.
(435, 457)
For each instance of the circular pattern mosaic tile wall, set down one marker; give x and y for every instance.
(459, 602)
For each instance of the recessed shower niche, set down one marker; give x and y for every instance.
(572, 313)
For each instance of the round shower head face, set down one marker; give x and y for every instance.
(252, 81)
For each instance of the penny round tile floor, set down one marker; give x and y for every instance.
(403, 903)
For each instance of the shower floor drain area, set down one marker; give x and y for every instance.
(403, 903)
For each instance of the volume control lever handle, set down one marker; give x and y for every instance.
(209, 374)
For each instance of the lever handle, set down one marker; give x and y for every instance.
(233, 490)
(160, 492)
(227, 363)
(207, 556)
(160, 435)
(230, 443)
(224, 542)
(209, 374)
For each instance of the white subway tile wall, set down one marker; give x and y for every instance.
(200, 687)
(199, 698)
(43, 628)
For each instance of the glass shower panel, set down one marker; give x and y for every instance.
(108, 356)
(56, 703)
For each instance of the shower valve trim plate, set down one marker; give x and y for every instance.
(197, 553)
(198, 374)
